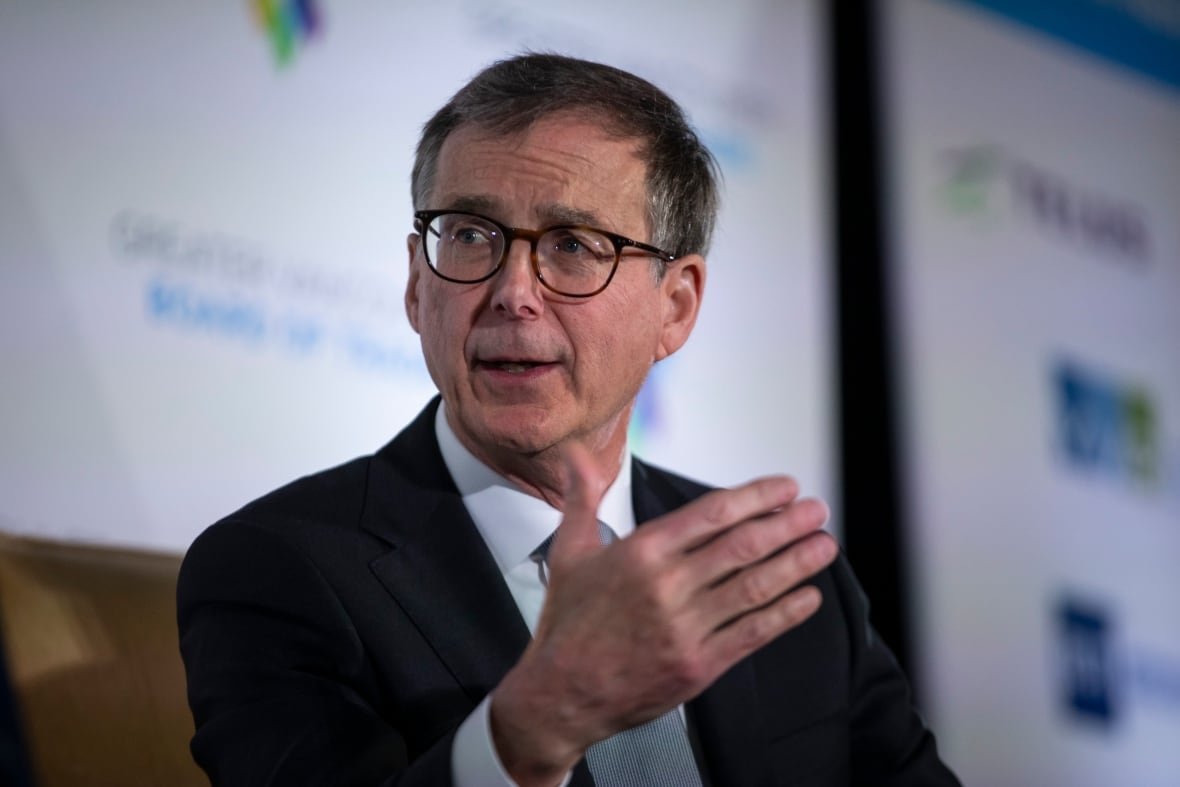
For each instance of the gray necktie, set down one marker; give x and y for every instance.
(655, 753)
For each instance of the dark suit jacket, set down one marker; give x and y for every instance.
(338, 631)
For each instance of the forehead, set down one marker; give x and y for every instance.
(560, 169)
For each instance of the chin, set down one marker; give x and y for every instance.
(520, 430)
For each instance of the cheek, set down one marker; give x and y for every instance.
(619, 344)
(442, 336)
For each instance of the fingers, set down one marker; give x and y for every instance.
(755, 563)
(703, 519)
(750, 632)
(630, 631)
(577, 534)
(760, 585)
(754, 540)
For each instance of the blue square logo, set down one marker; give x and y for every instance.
(1106, 427)
(1088, 671)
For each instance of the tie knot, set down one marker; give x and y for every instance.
(605, 536)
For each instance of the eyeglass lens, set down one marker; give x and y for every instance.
(468, 248)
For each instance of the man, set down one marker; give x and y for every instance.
(371, 624)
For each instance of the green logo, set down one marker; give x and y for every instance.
(973, 185)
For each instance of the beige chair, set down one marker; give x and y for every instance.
(92, 651)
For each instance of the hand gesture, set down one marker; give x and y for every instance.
(635, 628)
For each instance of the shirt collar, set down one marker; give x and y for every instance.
(511, 521)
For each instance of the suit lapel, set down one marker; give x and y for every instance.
(439, 569)
(725, 719)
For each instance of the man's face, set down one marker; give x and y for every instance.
(522, 369)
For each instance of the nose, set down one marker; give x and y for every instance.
(516, 292)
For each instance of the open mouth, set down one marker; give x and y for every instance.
(512, 367)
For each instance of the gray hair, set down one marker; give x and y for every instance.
(510, 95)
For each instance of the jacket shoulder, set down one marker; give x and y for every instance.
(656, 490)
(334, 495)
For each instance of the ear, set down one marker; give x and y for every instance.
(412, 241)
(682, 287)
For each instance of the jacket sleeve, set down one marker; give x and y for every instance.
(278, 679)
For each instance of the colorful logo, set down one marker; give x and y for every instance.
(986, 182)
(1106, 426)
(288, 24)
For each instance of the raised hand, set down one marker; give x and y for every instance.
(633, 629)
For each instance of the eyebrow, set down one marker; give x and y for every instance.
(471, 203)
(550, 214)
(557, 213)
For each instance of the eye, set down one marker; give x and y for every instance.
(580, 244)
(568, 244)
(469, 235)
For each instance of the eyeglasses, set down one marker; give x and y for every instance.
(573, 260)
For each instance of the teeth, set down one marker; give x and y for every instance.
(515, 367)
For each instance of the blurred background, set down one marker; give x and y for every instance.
(945, 294)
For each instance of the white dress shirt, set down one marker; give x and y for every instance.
(513, 524)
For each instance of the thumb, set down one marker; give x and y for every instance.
(577, 534)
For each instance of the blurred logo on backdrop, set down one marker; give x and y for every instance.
(289, 24)
(1087, 668)
(989, 185)
(1104, 671)
(647, 418)
(972, 184)
(233, 291)
(1107, 426)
